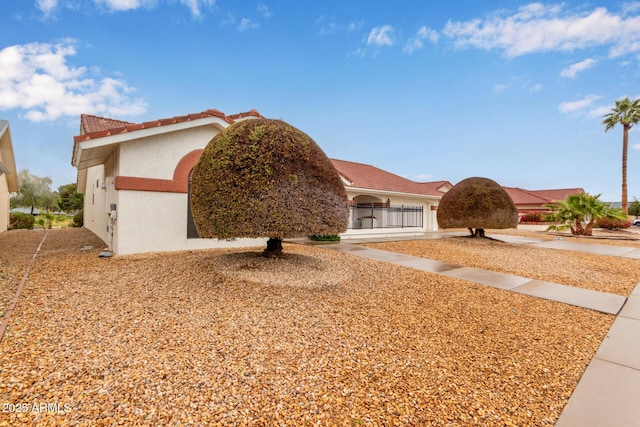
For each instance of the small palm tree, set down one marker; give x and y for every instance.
(579, 212)
(627, 113)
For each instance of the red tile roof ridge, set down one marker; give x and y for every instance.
(90, 123)
(90, 128)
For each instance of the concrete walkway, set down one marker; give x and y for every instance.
(595, 300)
(608, 393)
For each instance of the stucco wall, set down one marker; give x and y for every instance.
(154, 222)
(4, 204)
(95, 218)
(157, 156)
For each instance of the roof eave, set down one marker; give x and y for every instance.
(84, 143)
(6, 154)
(394, 193)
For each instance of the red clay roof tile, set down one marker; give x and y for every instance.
(366, 176)
(95, 127)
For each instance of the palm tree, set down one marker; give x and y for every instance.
(627, 113)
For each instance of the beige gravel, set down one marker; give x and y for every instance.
(15, 253)
(598, 272)
(216, 338)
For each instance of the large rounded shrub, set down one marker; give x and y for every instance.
(265, 178)
(477, 203)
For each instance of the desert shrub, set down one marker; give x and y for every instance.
(265, 178)
(612, 224)
(477, 203)
(19, 220)
(78, 219)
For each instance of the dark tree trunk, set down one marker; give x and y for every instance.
(625, 147)
(274, 248)
(479, 232)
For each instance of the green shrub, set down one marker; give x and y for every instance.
(612, 224)
(325, 237)
(19, 220)
(78, 219)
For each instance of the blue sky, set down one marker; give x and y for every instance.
(514, 91)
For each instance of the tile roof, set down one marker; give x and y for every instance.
(558, 194)
(98, 127)
(90, 124)
(539, 197)
(366, 176)
(94, 127)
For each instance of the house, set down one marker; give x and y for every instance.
(135, 178)
(8, 173)
(385, 204)
(536, 200)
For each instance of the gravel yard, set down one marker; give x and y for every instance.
(225, 337)
(598, 272)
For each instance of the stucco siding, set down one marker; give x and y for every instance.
(150, 221)
(95, 217)
(4, 204)
(157, 156)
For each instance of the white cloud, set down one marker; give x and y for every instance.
(247, 24)
(579, 105)
(264, 10)
(501, 87)
(543, 28)
(37, 80)
(328, 25)
(195, 6)
(123, 5)
(416, 42)
(46, 6)
(381, 36)
(574, 69)
(598, 112)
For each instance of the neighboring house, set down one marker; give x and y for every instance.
(384, 204)
(135, 178)
(8, 173)
(536, 200)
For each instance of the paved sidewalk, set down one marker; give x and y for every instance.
(608, 393)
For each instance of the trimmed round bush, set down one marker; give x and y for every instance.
(477, 203)
(265, 178)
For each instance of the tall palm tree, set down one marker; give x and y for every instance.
(627, 113)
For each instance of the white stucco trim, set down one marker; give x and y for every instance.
(387, 194)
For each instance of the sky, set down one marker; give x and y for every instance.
(434, 90)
